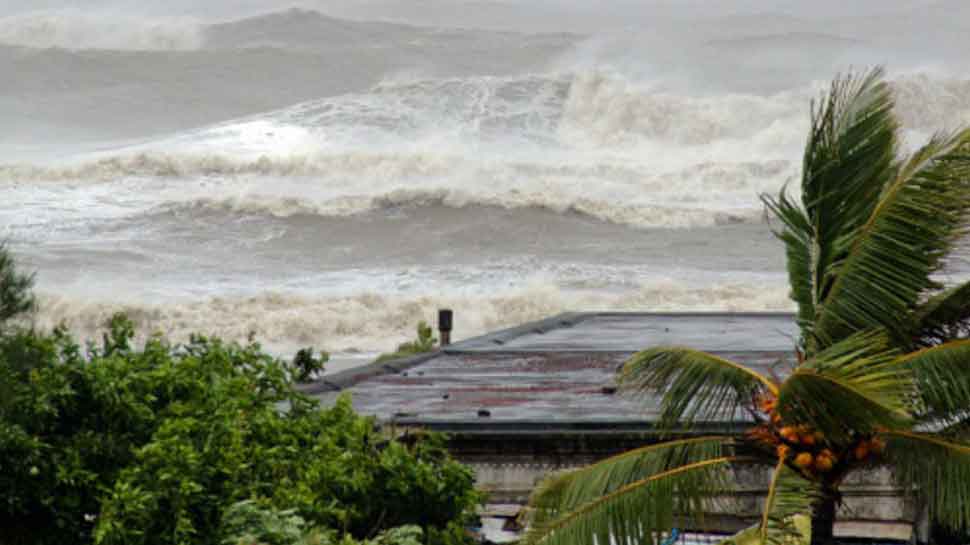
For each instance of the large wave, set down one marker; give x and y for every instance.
(594, 143)
(78, 30)
(376, 322)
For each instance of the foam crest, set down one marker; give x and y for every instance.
(342, 184)
(77, 30)
(378, 322)
(609, 110)
(930, 102)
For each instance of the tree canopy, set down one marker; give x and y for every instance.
(155, 445)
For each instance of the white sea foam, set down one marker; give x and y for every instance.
(78, 30)
(593, 143)
(370, 322)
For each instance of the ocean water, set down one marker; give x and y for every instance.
(331, 174)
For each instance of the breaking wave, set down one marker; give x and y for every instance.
(77, 31)
(352, 183)
(377, 322)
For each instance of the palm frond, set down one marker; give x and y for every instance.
(693, 385)
(856, 385)
(850, 152)
(789, 495)
(797, 236)
(942, 376)
(943, 317)
(938, 469)
(564, 492)
(889, 260)
(639, 512)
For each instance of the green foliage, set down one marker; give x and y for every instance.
(15, 295)
(693, 385)
(789, 495)
(425, 342)
(853, 387)
(638, 512)
(556, 498)
(307, 366)
(938, 468)
(249, 523)
(115, 444)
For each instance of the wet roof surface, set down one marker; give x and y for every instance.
(632, 332)
(560, 370)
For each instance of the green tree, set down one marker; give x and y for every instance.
(882, 372)
(16, 297)
(151, 445)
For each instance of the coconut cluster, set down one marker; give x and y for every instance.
(808, 449)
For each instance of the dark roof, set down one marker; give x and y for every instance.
(554, 374)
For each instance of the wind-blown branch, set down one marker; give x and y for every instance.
(857, 385)
(942, 317)
(693, 385)
(938, 469)
(942, 375)
(889, 262)
(638, 512)
(850, 152)
(562, 493)
(789, 495)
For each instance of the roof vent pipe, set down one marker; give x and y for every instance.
(444, 325)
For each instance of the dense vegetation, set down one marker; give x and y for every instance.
(202, 443)
(880, 376)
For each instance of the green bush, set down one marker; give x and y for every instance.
(425, 342)
(110, 444)
(249, 523)
(15, 295)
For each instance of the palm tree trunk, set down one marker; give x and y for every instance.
(823, 518)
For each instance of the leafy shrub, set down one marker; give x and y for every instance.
(249, 523)
(425, 342)
(15, 295)
(306, 366)
(116, 445)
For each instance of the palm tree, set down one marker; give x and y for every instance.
(881, 373)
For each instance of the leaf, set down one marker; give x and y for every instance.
(692, 384)
(798, 239)
(850, 153)
(889, 261)
(639, 512)
(789, 496)
(944, 316)
(942, 375)
(938, 469)
(565, 492)
(857, 385)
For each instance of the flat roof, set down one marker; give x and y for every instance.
(556, 374)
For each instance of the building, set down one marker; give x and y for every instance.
(521, 403)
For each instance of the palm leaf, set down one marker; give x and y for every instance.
(563, 493)
(788, 496)
(889, 260)
(942, 375)
(856, 385)
(693, 385)
(798, 237)
(938, 469)
(639, 512)
(850, 152)
(942, 317)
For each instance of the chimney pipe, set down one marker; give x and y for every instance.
(444, 325)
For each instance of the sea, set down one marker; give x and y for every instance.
(330, 173)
